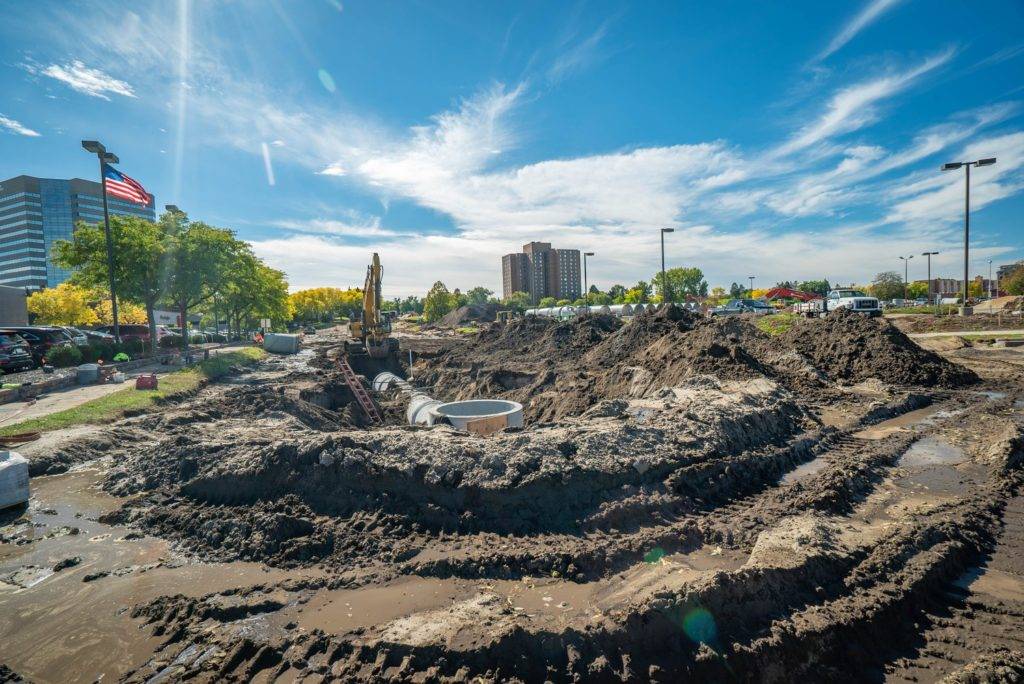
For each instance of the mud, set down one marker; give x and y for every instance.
(690, 499)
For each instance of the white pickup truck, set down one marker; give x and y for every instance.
(853, 300)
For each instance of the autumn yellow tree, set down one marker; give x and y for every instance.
(319, 303)
(65, 304)
(128, 313)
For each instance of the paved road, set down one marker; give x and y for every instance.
(967, 333)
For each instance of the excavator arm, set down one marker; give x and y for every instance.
(373, 331)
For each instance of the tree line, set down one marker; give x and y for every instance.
(171, 264)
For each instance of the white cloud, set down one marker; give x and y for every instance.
(577, 57)
(853, 107)
(86, 80)
(360, 227)
(871, 12)
(16, 127)
(941, 198)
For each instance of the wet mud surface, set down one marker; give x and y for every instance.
(689, 499)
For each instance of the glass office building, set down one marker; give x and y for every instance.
(36, 212)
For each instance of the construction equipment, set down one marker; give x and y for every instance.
(371, 332)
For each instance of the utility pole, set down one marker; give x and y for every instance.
(990, 279)
(664, 280)
(105, 158)
(965, 309)
(586, 288)
(929, 255)
(751, 290)
(906, 264)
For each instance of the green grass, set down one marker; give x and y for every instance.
(776, 324)
(944, 310)
(467, 330)
(981, 335)
(115, 405)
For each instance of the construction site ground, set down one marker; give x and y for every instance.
(689, 499)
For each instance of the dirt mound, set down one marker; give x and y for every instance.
(849, 347)
(471, 313)
(538, 339)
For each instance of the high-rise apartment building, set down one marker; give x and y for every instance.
(36, 212)
(542, 272)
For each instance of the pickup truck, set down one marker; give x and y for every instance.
(853, 300)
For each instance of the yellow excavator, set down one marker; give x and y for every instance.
(371, 331)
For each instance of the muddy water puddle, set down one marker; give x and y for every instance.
(804, 470)
(544, 601)
(58, 627)
(923, 417)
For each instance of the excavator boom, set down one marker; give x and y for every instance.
(373, 331)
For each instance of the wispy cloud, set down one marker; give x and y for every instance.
(85, 80)
(577, 56)
(16, 127)
(356, 226)
(868, 15)
(853, 107)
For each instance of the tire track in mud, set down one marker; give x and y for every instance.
(980, 632)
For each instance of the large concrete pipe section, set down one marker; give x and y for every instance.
(420, 403)
(487, 415)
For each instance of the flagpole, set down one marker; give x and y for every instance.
(110, 250)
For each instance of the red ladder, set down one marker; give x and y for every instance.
(362, 396)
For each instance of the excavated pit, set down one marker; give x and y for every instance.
(688, 499)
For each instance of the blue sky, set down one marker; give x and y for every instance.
(784, 140)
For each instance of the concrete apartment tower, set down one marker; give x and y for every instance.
(542, 272)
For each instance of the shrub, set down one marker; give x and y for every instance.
(64, 356)
(170, 342)
(197, 339)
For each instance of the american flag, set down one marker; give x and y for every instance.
(120, 185)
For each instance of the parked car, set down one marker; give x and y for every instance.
(742, 306)
(76, 335)
(136, 332)
(41, 339)
(98, 336)
(847, 298)
(15, 353)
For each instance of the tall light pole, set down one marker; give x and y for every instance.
(929, 255)
(906, 270)
(105, 157)
(586, 288)
(751, 286)
(965, 310)
(990, 279)
(664, 280)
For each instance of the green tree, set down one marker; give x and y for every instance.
(736, 291)
(887, 285)
(1013, 282)
(253, 291)
(917, 289)
(200, 265)
(141, 254)
(819, 286)
(639, 293)
(518, 301)
(681, 282)
(546, 302)
(563, 302)
(599, 298)
(438, 302)
(617, 293)
(479, 295)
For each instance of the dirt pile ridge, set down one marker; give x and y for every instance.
(849, 347)
(471, 313)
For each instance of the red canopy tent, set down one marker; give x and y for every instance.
(786, 293)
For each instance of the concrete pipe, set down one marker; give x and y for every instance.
(461, 413)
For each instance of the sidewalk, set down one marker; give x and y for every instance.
(967, 333)
(75, 395)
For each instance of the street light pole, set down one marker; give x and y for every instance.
(586, 288)
(965, 309)
(906, 270)
(105, 157)
(990, 279)
(751, 286)
(664, 280)
(929, 255)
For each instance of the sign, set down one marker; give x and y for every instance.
(265, 323)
